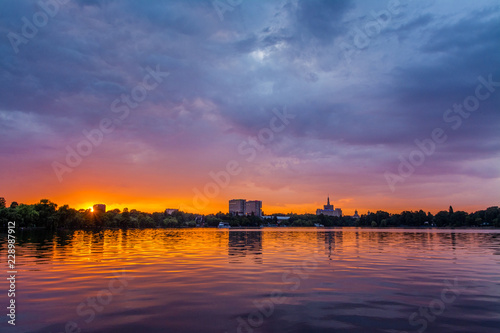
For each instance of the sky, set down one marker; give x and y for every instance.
(380, 105)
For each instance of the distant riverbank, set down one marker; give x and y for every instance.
(49, 215)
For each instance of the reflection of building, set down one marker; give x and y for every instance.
(237, 207)
(245, 244)
(328, 210)
(99, 208)
(243, 207)
(333, 241)
(254, 207)
(329, 243)
(170, 211)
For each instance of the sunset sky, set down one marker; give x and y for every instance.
(383, 105)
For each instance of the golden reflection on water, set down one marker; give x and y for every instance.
(180, 277)
(145, 245)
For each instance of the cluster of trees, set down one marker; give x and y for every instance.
(46, 214)
(233, 220)
(482, 218)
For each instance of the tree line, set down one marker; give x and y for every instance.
(47, 214)
(447, 218)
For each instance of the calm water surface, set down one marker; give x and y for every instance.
(268, 280)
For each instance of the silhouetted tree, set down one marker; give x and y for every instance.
(27, 215)
(442, 218)
(170, 222)
(46, 210)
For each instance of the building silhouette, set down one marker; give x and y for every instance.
(328, 210)
(237, 206)
(253, 207)
(243, 207)
(99, 208)
(170, 211)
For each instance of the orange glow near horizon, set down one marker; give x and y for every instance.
(222, 206)
(147, 195)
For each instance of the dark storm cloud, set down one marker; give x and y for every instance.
(453, 56)
(227, 75)
(322, 19)
(416, 23)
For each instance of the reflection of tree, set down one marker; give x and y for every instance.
(36, 243)
(490, 243)
(41, 244)
(64, 237)
(245, 243)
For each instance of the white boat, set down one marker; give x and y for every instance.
(318, 225)
(223, 225)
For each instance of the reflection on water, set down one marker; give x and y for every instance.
(245, 243)
(267, 280)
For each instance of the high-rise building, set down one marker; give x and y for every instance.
(253, 206)
(237, 206)
(99, 208)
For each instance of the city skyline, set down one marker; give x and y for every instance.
(241, 204)
(388, 105)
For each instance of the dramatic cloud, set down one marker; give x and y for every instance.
(385, 105)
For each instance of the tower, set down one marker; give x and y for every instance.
(328, 206)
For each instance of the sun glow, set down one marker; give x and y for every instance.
(91, 209)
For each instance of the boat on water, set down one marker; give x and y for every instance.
(224, 225)
(318, 225)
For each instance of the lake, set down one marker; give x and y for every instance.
(261, 280)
